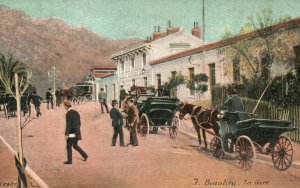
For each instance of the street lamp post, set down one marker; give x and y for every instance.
(53, 74)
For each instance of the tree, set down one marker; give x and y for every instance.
(15, 80)
(262, 56)
(260, 53)
(198, 83)
(174, 81)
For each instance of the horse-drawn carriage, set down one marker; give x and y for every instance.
(250, 134)
(246, 135)
(158, 112)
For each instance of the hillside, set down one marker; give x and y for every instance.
(44, 43)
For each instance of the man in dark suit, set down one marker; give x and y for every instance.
(72, 133)
(117, 123)
(122, 95)
(133, 120)
(49, 98)
(234, 102)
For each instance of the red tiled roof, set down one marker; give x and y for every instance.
(100, 75)
(108, 74)
(211, 46)
(105, 67)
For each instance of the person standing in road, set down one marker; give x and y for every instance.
(122, 95)
(72, 133)
(58, 97)
(132, 120)
(36, 100)
(117, 123)
(102, 100)
(49, 98)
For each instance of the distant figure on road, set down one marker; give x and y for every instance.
(72, 133)
(117, 123)
(102, 100)
(122, 95)
(49, 98)
(58, 97)
(36, 100)
(132, 120)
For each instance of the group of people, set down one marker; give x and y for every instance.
(50, 98)
(130, 111)
(73, 134)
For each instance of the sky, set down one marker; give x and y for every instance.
(123, 19)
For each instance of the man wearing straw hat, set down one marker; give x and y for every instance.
(72, 133)
(117, 123)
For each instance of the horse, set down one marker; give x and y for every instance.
(202, 118)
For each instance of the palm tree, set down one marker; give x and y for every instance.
(13, 75)
(9, 67)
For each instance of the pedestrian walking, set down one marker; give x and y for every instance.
(58, 97)
(117, 123)
(102, 99)
(72, 133)
(49, 98)
(36, 100)
(122, 95)
(132, 120)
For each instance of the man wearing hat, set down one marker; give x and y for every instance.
(72, 133)
(102, 99)
(133, 116)
(49, 98)
(117, 123)
(234, 103)
(122, 95)
(228, 126)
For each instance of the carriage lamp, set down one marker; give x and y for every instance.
(143, 71)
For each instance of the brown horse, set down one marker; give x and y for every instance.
(202, 118)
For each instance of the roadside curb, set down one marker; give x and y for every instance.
(33, 175)
(260, 157)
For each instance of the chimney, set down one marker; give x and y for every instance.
(156, 34)
(196, 30)
(169, 29)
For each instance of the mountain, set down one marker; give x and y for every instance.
(44, 43)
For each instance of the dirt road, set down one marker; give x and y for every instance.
(158, 162)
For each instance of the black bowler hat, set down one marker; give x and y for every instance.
(114, 102)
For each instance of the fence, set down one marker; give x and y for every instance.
(264, 110)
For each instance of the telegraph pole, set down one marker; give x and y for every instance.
(53, 74)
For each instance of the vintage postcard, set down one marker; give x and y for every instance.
(157, 93)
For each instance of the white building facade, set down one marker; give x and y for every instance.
(133, 66)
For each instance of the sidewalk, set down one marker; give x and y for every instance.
(8, 171)
(187, 128)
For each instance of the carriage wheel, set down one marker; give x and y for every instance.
(83, 100)
(75, 100)
(282, 155)
(173, 130)
(215, 147)
(144, 125)
(245, 152)
(88, 97)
